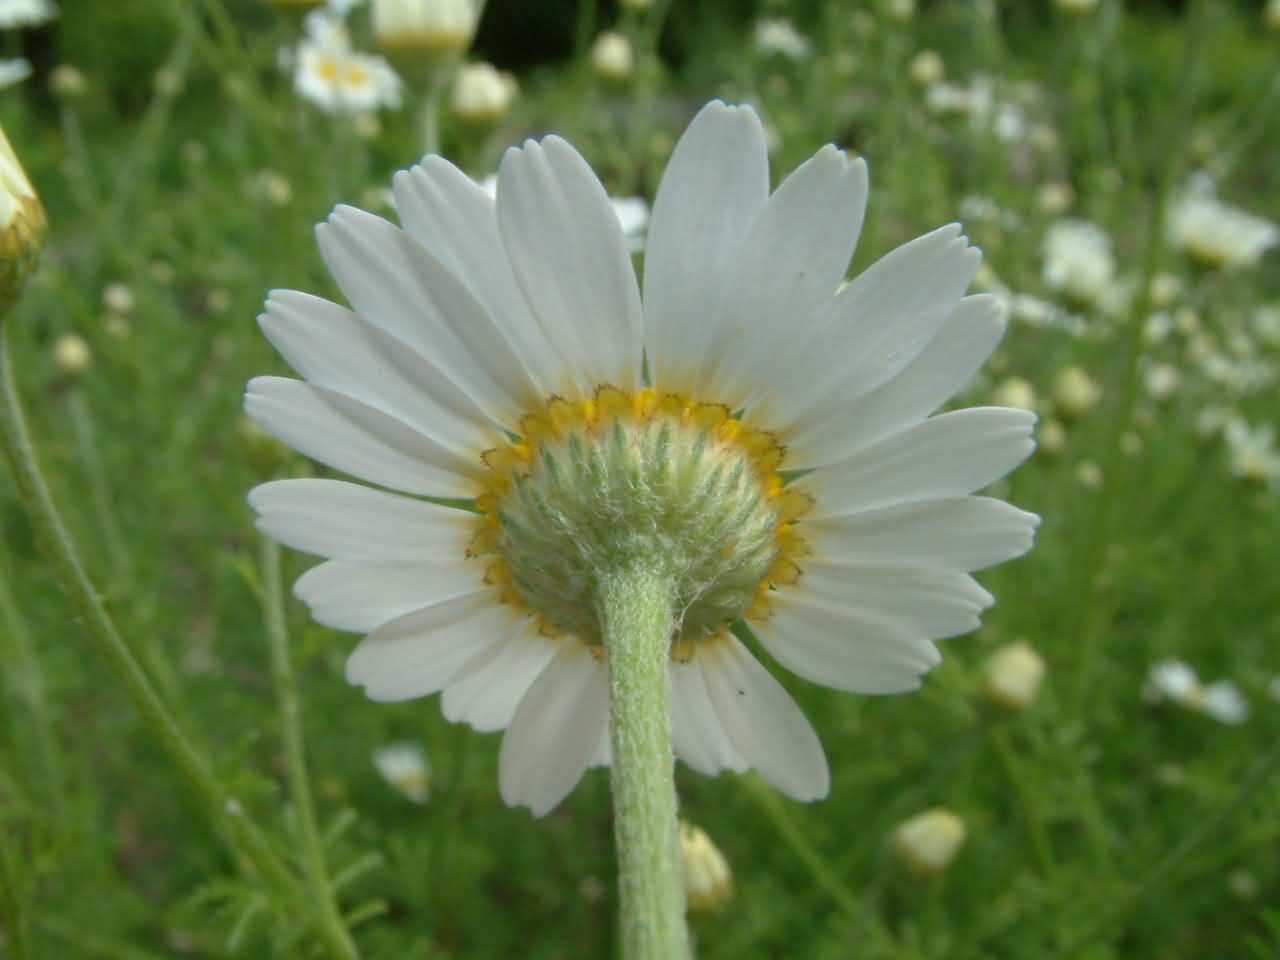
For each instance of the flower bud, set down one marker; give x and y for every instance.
(118, 298)
(927, 68)
(612, 57)
(708, 881)
(1076, 393)
(1015, 392)
(22, 225)
(482, 93)
(1013, 675)
(928, 842)
(71, 355)
(1052, 437)
(66, 82)
(428, 26)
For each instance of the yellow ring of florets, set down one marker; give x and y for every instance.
(558, 418)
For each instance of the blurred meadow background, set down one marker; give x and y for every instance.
(1097, 766)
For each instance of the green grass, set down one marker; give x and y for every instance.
(1099, 826)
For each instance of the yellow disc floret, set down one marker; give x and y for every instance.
(588, 485)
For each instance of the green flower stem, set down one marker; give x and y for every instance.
(635, 610)
(317, 874)
(224, 812)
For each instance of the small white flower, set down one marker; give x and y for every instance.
(1078, 260)
(1175, 681)
(14, 71)
(495, 351)
(1161, 380)
(1223, 701)
(25, 13)
(342, 81)
(404, 766)
(1217, 234)
(1252, 452)
(780, 36)
(1172, 680)
(117, 297)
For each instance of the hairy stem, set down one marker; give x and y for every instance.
(635, 610)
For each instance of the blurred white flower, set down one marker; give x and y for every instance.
(1176, 682)
(341, 81)
(1272, 14)
(1165, 289)
(1266, 325)
(611, 56)
(1051, 437)
(117, 297)
(482, 93)
(1055, 198)
(404, 766)
(1078, 260)
(1212, 420)
(25, 13)
(14, 71)
(779, 35)
(1015, 392)
(1161, 380)
(1215, 233)
(1252, 452)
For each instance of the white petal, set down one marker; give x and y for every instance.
(791, 262)
(487, 695)
(715, 185)
(967, 533)
(422, 652)
(346, 521)
(454, 219)
(570, 258)
(360, 597)
(397, 286)
(764, 723)
(867, 628)
(555, 733)
(946, 456)
(836, 428)
(332, 347)
(356, 439)
(697, 734)
(881, 322)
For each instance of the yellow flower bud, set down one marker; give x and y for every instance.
(22, 225)
(71, 355)
(928, 842)
(612, 57)
(1013, 676)
(1076, 393)
(708, 881)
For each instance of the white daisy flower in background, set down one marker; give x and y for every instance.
(777, 35)
(14, 71)
(1252, 451)
(1215, 233)
(26, 13)
(782, 458)
(345, 82)
(1175, 681)
(1078, 260)
(404, 766)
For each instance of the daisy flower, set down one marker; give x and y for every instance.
(771, 442)
(338, 79)
(1215, 233)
